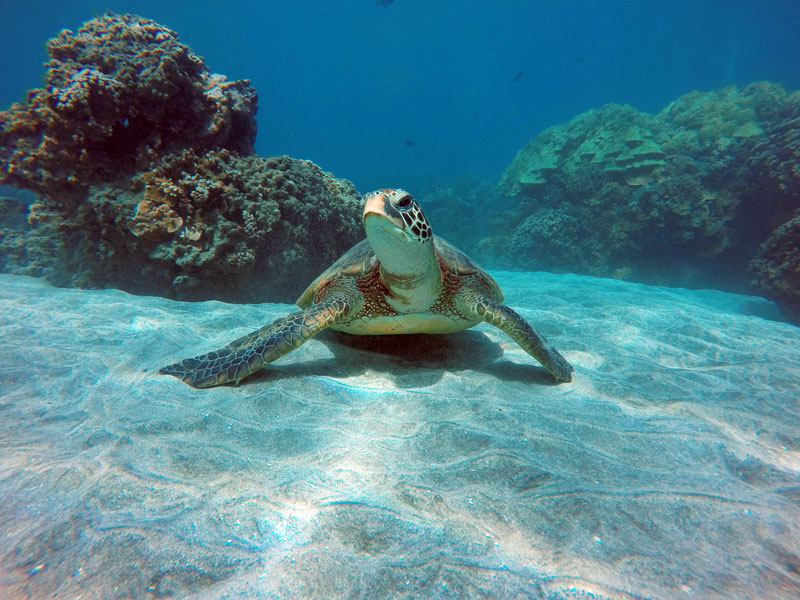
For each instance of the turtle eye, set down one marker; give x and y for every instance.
(404, 202)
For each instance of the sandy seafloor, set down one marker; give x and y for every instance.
(423, 467)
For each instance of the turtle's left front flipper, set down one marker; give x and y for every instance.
(248, 354)
(519, 329)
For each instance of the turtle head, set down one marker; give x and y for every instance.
(397, 230)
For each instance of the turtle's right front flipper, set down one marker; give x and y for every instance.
(243, 357)
(472, 300)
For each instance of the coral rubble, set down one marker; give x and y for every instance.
(684, 197)
(143, 163)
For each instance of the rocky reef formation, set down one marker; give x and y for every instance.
(119, 92)
(684, 197)
(464, 211)
(143, 163)
(13, 229)
(776, 267)
(216, 225)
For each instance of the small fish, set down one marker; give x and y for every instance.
(410, 143)
(517, 76)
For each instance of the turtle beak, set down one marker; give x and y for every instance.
(378, 204)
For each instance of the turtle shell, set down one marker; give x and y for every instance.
(461, 265)
(361, 259)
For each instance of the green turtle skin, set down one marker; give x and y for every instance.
(401, 279)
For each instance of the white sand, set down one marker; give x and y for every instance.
(440, 466)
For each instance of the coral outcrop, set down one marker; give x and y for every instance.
(118, 93)
(143, 163)
(616, 142)
(216, 225)
(13, 227)
(776, 267)
(684, 197)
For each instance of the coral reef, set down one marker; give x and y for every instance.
(776, 159)
(143, 163)
(616, 141)
(13, 227)
(463, 210)
(776, 268)
(119, 93)
(684, 197)
(217, 225)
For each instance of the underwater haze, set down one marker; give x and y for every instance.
(395, 94)
(610, 411)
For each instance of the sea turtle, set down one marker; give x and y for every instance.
(401, 279)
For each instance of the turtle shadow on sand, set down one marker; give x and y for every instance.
(415, 360)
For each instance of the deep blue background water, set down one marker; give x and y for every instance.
(422, 90)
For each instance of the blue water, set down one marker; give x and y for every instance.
(424, 467)
(421, 90)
